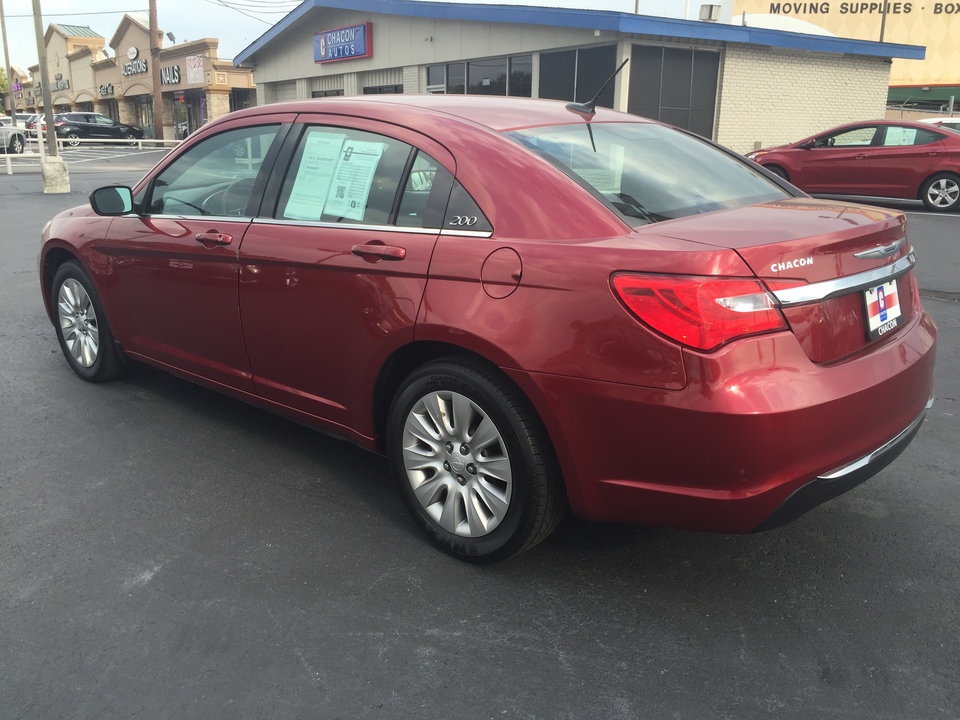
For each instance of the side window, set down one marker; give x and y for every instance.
(425, 194)
(339, 175)
(101, 120)
(463, 213)
(211, 178)
(856, 137)
(899, 136)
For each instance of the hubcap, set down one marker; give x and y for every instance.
(78, 323)
(943, 193)
(456, 462)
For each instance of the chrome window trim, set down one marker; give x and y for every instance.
(374, 228)
(345, 226)
(204, 218)
(467, 233)
(817, 292)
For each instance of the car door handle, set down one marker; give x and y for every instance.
(379, 251)
(209, 239)
(859, 157)
(933, 154)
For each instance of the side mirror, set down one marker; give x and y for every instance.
(808, 144)
(112, 200)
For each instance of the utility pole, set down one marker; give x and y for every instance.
(6, 62)
(53, 169)
(155, 64)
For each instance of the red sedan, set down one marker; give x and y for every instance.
(526, 306)
(881, 158)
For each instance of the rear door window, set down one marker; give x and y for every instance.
(348, 176)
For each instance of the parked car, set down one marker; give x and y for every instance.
(947, 122)
(523, 305)
(72, 127)
(30, 124)
(12, 139)
(882, 158)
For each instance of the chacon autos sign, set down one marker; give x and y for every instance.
(347, 43)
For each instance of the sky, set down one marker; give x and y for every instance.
(236, 23)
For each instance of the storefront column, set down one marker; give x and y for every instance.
(621, 86)
(412, 77)
(266, 93)
(303, 88)
(169, 126)
(351, 84)
(127, 109)
(218, 104)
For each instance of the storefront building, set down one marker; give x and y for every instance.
(741, 86)
(195, 84)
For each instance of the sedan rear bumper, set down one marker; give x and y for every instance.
(759, 435)
(830, 485)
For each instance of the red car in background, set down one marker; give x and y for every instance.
(525, 306)
(881, 158)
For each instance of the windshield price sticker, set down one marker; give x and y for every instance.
(883, 309)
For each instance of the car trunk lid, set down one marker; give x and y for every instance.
(826, 261)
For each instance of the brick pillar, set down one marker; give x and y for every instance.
(128, 112)
(218, 104)
(169, 127)
(412, 75)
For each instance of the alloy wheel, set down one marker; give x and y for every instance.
(943, 192)
(456, 462)
(78, 323)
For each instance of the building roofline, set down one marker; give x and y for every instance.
(608, 20)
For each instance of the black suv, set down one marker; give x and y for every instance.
(74, 126)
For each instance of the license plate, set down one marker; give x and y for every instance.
(883, 309)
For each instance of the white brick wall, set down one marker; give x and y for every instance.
(775, 96)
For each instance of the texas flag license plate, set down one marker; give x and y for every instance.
(883, 309)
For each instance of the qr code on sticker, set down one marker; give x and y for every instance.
(341, 191)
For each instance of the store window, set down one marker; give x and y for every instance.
(487, 77)
(521, 76)
(675, 85)
(457, 78)
(578, 75)
(491, 76)
(326, 93)
(383, 90)
(144, 113)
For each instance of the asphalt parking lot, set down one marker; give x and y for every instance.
(168, 552)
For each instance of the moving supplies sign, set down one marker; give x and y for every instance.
(934, 24)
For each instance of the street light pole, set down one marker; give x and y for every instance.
(53, 169)
(155, 64)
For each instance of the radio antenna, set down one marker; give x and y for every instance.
(590, 107)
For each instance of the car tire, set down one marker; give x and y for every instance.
(778, 171)
(130, 138)
(941, 192)
(472, 461)
(71, 139)
(16, 145)
(82, 330)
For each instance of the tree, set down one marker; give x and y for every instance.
(4, 88)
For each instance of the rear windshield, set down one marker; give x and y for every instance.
(646, 172)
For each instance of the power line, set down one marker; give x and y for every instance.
(221, 3)
(102, 12)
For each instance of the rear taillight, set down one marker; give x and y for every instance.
(701, 312)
